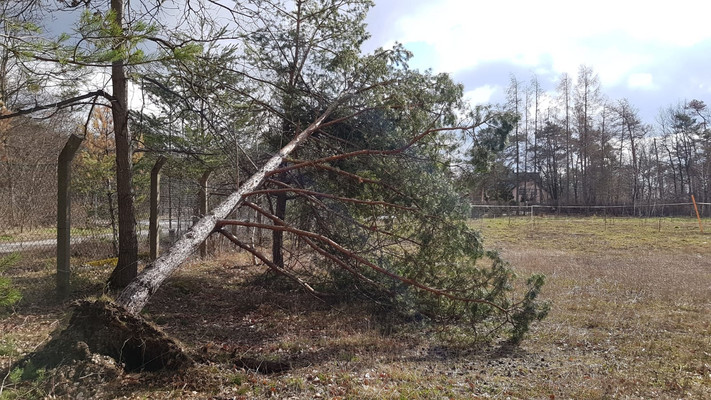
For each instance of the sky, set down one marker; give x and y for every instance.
(655, 54)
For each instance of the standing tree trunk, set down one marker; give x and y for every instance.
(112, 217)
(202, 205)
(536, 86)
(660, 182)
(568, 140)
(127, 267)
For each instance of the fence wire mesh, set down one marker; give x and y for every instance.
(652, 210)
(28, 211)
(179, 208)
(28, 214)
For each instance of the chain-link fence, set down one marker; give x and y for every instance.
(29, 153)
(179, 208)
(651, 210)
(28, 214)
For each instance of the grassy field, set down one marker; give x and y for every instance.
(630, 318)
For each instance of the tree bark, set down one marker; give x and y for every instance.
(202, 205)
(127, 267)
(136, 295)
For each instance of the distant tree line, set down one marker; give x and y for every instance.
(583, 148)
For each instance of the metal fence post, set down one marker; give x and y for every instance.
(64, 173)
(153, 228)
(202, 205)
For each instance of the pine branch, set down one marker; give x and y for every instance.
(318, 248)
(60, 104)
(352, 255)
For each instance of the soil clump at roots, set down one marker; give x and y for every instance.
(103, 328)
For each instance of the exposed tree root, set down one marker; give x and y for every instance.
(102, 327)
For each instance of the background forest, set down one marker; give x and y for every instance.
(583, 148)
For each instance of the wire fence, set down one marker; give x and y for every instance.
(179, 209)
(29, 227)
(35, 233)
(640, 211)
(29, 198)
(28, 212)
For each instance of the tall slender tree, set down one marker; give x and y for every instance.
(565, 90)
(513, 100)
(587, 104)
(632, 132)
(537, 94)
(127, 267)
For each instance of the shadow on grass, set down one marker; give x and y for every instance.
(264, 323)
(37, 285)
(239, 317)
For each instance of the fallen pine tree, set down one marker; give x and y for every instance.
(433, 271)
(369, 184)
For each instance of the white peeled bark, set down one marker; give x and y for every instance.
(136, 295)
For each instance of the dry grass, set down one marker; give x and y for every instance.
(631, 318)
(632, 303)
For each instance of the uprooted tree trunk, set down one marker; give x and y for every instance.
(136, 295)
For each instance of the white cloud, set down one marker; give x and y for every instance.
(481, 95)
(622, 40)
(641, 81)
(615, 36)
